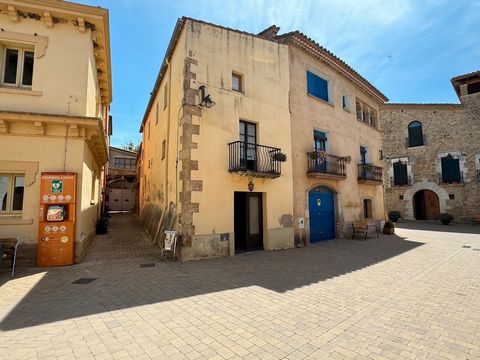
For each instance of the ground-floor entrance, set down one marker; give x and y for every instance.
(322, 214)
(426, 205)
(121, 195)
(248, 222)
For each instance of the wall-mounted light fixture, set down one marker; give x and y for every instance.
(251, 185)
(206, 99)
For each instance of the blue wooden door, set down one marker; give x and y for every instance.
(322, 216)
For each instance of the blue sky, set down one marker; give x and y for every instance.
(408, 49)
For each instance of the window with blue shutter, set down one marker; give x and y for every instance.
(400, 175)
(317, 86)
(451, 169)
(415, 134)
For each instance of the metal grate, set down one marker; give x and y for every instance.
(84, 281)
(147, 265)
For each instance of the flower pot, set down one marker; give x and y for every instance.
(388, 231)
(445, 221)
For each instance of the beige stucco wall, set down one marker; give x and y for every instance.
(155, 190)
(345, 136)
(447, 128)
(264, 65)
(64, 79)
(24, 148)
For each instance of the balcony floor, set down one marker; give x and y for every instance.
(321, 175)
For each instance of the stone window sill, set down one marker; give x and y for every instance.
(14, 220)
(19, 91)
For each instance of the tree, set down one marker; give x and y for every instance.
(130, 146)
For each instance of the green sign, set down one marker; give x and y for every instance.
(57, 186)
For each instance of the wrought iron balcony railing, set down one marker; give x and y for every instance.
(321, 163)
(369, 172)
(401, 182)
(254, 159)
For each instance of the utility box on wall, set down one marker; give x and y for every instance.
(56, 233)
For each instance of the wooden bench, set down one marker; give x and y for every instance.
(476, 219)
(8, 249)
(362, 227)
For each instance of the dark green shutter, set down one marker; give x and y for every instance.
(400, 176)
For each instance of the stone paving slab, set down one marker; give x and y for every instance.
(411, 296)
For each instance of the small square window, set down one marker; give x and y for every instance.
(237, 83)
(400, 197)
(451, 196)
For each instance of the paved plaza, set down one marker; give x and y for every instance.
(415, 295)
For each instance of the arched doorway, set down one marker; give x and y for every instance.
(426, 205)
(322, 214)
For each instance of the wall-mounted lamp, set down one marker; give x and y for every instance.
(251, 185)
(206, 99)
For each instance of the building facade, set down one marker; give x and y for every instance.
(55, 91)
(251, 141)
(432, 155)
(122, 180)
(336, 143)
(214, 132)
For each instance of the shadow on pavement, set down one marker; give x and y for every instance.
(124, 284)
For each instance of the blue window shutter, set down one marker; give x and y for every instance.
(317, 86)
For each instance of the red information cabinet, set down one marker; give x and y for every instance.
(56, 233)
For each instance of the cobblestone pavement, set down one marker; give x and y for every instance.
(411, 296)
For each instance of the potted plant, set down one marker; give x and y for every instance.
(389, 228)
(394, 215)
(314, 155)
(279, 156)
(446, 218)
(101, 226)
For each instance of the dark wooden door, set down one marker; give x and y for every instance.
(432, 205)
(419, 205)
(248, 222)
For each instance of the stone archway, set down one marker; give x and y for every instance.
(424, 185)
(426, 205)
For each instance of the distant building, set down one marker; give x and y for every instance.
(55, 92)
(433, 155)
(122, 179)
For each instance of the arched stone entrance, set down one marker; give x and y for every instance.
(426, 205)
(441, 194)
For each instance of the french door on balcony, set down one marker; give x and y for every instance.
(248, 141)
(363, 161)
(320, 144)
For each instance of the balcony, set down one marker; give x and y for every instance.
(369, 174)
(254, 160)
(326, 166)
(401, 181)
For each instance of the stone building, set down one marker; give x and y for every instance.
(55, 93)
(432, 153)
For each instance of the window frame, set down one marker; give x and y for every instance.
(20, 67)
(397, 165)
(240, 82)
(411, 134)
(367, 208)
(11, 191)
